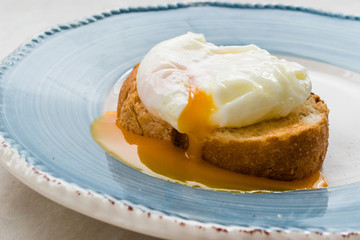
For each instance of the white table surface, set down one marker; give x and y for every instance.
(25, 214)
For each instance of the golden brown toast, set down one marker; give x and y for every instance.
(288, 148)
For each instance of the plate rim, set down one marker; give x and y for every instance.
(26, 47)
(26, 173)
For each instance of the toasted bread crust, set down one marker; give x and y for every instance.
(288, 148)
(283, 156)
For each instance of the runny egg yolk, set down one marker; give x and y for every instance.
(161, 159)
(195, 121)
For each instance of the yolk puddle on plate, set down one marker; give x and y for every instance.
(161, 159)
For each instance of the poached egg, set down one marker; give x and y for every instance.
(244, 84)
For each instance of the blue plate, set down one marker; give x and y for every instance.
(54, 86)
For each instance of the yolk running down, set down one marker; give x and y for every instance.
(195, 121)
(161, 159)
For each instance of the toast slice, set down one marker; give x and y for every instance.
(287, 148)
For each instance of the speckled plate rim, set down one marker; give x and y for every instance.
(121, 212)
